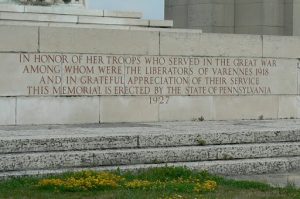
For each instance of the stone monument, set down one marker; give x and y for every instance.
(66, 65)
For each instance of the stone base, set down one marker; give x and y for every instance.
(227, 148)
(112, 109)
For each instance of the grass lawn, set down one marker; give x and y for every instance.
(160, 183)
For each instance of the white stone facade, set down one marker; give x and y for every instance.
(39, 107)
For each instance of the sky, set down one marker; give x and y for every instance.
(152, 9)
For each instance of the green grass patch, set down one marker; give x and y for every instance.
(158, 183)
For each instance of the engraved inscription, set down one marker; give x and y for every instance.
(155, 76)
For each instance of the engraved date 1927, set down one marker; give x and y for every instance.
(159, 99)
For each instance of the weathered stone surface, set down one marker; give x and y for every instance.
(289, 107)
(55, 110)
(7, 111)
(271, 143)
(229, 168)
(261, 17)
(166, 134)
(246, 107)
(186, 108)
(286, 71)
(127, 109)
(181, 18)
(275, 46)
(211, 16)
(144, 156)
(98, 41)
(250, 13)
(210, 44)
(68, 143)
(17, 38)
(296, 17)
(210, 137)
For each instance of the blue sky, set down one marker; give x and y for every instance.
(152, 9)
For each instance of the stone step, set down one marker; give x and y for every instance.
(95, 158)
(221, 167)
(229, 147)
(72, 19)
(105, 137)
(65, 10)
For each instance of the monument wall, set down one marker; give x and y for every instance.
(55, 75)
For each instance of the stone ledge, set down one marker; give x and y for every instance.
(122, 14)
(227, 168)
(152, 134)
(51, 160)
(65, 10)
(109, 138)
(112, 21)
(65, 144)
(72, 19)
(38, 17)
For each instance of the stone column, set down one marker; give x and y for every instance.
(296, 18)
(210, 16)
(288, 17)
(177, 11)
(260, 17)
